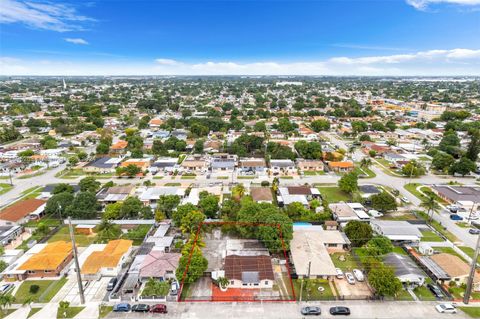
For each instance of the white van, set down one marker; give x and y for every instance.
(358, 275)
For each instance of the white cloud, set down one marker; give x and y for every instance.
(166, 62)
(423, 4)
(42, 15)
(76, 41)
(431, 63)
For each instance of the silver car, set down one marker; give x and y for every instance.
(350, 278)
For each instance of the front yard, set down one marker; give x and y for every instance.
(313, 289)
(47, 290)
(347, 264)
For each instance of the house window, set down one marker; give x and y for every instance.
(256, 284)
(266, 282)
(47, 271)
(232, 282)
(244, 284)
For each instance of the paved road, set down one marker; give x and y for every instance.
(359, 309)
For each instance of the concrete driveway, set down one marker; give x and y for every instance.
(94, 290)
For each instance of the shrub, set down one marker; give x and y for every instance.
(34, 289)
(265, 183)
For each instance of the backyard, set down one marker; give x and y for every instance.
(333, 194)
(81, 240)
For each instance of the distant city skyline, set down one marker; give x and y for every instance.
(223, 37)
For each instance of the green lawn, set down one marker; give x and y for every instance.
(70, 312)
(187, 177)
(349, 263)
(104, 311)
(412, 188)
(223, 177)
(364, 172)
(33, 311)
(32, 175)
(158, 177)
(429, 235)
(245, 177)
(310, 289)
(48, 221)
(438, 227)
(80, 239)
(399, 250)
(423, 293)
(70, 174)
(469, 251)
(53, 287)
(286, 177)
(4, 187)
(5, 312)
(458, 292)
(313, 173)
(333, 194)
(473, 312)
(173, 184)
(404, 295)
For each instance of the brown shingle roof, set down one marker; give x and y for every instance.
(21, 209)
(261, 194)
(453, 265)
(236, 265)
(299, 190)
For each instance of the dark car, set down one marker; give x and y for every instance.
(141, 307)
(158, 308)
(474, 231)
(121, 307)
(340, 311)
(435, 291)
(456, 217)
(111, 284)
(311, 311)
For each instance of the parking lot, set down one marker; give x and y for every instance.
(94, 291)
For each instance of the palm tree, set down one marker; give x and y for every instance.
(239, 191)
(108, 231)
(430, 204)
(28, 302)
(366, 162)
(5, 301)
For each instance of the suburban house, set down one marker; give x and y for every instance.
(397, 230)
(115, 194)
(119, 147)
(341, 167)
(141, 163)
(164, 164)
(105, 259)
(102, 165)
(406, 270)
(9, 234)
(282, 167)
(367, 191)
(261, 194)
(252, 166)
(159, 265)
(464, 195)
(345, 212)
(195, 163)
(310, 165)
(19, 212)
(222, 163)
(249, 271)
(307, 247)
(42, 260)
(301, 194)
(394, 158)
(150, 195)
(456, 269)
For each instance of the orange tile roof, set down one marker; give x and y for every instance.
(49, 258)
(341, 164)
(106, 258)
(136, 163)
(156, 122)
(21, 209)
(120, 145)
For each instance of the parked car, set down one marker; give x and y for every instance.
(405, 200)
(474, 231)
(141, 307)
(456, 217)
(311, 311)
(345, 311)
(446, 308)
(339, 273)
(158, 308)
(374, 213)
(358, 275)
(122, 307)
(111, 284)
(437, 292)
(350, 278)
(5, 288)
(175, 287)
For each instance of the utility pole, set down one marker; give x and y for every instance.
(77, 266)
(466, 297)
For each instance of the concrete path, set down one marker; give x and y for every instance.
(90, 311)
(49, 311)
(21, 313)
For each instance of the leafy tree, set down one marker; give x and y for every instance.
(158, 148)
(270, 235)
(246, 145)
(349, 183)
(442, 161)
(320, 125)
(129, 170)
(197, 264)
(155, 287)
(383, 281)
(285, 126)
(463, 167)
(450, 143)
(62, 187)
(58, 203)
(83, 206)
(3, 265)
(413, 169)
(190, 222)
(208, 204)
(102, 148)
(260, 126)
(181, 211)
(383, 202)
(89, 184)
(73, 160)
(112, 211)
(358, 232)
(474, 146)
(26, 153)
(132, 207)
(198, 146)
(278, 151)
(309, 150)
(359, 126)
(430, 204)
(379, 246)
(6, 300)
(167, 203)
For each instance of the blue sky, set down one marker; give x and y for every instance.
(316, 37)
